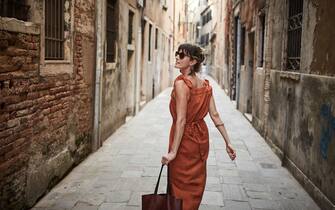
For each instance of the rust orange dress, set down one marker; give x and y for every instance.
(187, 172)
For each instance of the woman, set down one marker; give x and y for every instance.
(191, 100)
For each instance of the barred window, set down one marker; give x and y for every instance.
(260, 60)
(112, 26)
(14, 9)
(242, 45)
(294, 34)
(130, 27)
(156, 39)
(54, 29)
(149, 50)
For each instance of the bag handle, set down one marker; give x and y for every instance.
(159, 177)
(168, 182)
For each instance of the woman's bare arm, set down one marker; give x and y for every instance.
(182, 96)
(215, 116)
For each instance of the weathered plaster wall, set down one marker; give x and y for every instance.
(277, 17)
(323, 41)
(119, 79)
(244, 89)
(301, 124)
(258, 100)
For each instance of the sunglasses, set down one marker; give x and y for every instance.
(181, 55)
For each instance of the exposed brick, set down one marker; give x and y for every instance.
(29, 67)
(26, 133)
(5, 35)
(13, 51)
(56, 108)
(41, 86)
(8, 68)
(23, 112)
(11, 99)
(33, 95)
(6, 148)
(3, 44)
(12, 123)
(18, 61)
(29, 60)
(59, 89)
(63, 94)
(26, 45)
(4, 117)
(16, 150)
(34, 109)
(5, 133)
(33, 53)
(3, 126)
(21, 105)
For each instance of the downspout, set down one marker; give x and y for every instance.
(99, 26)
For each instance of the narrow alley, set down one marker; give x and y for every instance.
(84, 101)
(128, 163)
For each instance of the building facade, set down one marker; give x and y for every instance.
(46, 80)
(133, 58)
(280, 74)
(71, 72)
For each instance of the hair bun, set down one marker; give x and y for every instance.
(201, 55)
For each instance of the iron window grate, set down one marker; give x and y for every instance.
(294, 34)
(14, 9)
(130, 27)
(54, 29)
(111, 30)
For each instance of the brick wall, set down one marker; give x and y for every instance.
(45, 122)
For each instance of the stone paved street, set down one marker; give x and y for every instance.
(127, 166)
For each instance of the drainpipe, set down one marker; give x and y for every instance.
(99, 26)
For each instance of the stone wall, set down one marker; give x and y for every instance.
(45, 121)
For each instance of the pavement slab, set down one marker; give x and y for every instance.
(128, 163)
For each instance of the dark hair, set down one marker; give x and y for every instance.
(194, 52)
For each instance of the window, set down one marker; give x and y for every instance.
(111, 33)
(14, 9)
(54, 30)
(294, 34)
(197, 30)
(130, 27)
(149, 50)
(261, 41)
(164, 4)
(204, 39)
(156, 39)
(205, 18)
(242, 45)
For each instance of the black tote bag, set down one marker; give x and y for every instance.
(164, 201)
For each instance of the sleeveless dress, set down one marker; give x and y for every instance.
(187, 172)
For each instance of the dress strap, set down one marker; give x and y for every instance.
(187, 81)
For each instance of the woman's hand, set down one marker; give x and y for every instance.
(231, 152)
(166, 159)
